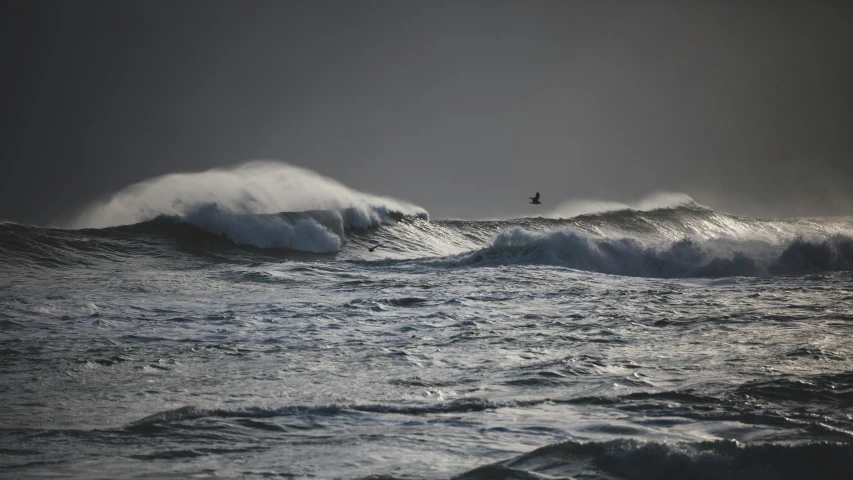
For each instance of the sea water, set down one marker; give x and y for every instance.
(230, 336)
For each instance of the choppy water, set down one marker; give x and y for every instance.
(672, 343)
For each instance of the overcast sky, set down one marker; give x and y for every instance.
(464, 108)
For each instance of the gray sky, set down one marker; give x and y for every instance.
(464, 108)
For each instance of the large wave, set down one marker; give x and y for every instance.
(683, 240)
(277, 206)
(247, 204)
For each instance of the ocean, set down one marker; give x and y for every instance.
(235, 328)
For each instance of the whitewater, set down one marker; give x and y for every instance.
(232, 324)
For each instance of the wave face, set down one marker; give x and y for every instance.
(688, 257)
(629, 459)
(289, 211)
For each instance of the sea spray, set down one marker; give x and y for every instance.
(247, 205)
(257, 187)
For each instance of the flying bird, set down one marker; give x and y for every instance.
(535, 200)
(369, 249)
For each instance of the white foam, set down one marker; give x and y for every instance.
(267, 231)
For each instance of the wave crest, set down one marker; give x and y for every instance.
(245, 203)
(653, 201)
(687, 257)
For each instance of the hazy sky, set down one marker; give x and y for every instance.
(464, 108)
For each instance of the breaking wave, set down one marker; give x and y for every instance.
(245, 204)
(688, 257)
(275, 206)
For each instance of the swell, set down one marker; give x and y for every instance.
(631, 459)
(687, 240)
(193, 413)
(620, 458)
(206, 232)
(36, 247)
(775, 400)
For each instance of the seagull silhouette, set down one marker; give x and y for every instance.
(369, 249)
(535, 200)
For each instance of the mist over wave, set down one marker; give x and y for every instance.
(653, 201)
(244, 203)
